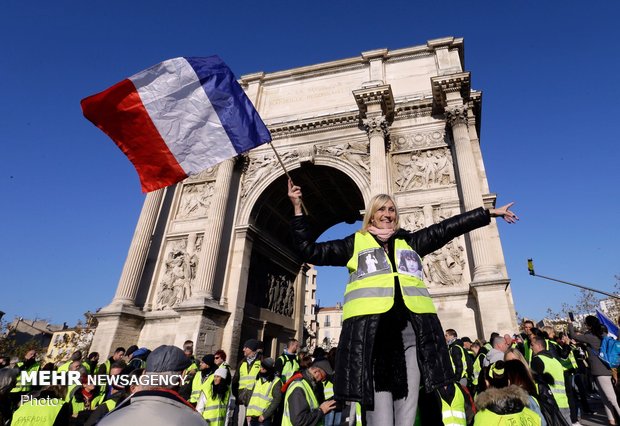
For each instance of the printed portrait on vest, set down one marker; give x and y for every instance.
(409, 263)
(371, 261)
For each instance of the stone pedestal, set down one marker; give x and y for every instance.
(118, 326)
(496, 310)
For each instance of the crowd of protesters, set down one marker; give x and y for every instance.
(535, 377)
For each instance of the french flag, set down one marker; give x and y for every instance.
(178, 118)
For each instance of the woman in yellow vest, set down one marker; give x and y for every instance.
(388, 312)
(213, 401)
(510, 397)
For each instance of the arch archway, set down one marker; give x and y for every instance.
(274, 300)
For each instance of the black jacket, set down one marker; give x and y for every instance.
(354, 374)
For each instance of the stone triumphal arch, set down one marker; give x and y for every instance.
(211, 259)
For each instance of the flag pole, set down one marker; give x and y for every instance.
(286, 173)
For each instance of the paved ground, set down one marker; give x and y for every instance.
(598, 419)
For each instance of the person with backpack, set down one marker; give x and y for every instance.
(593, 338)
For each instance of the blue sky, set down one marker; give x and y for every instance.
(70, 199)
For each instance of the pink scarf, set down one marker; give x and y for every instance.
(382, 234)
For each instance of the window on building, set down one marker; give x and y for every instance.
(326, 323)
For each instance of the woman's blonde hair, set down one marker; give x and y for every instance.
(517, 354)
(375, 204)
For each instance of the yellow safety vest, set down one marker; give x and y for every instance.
(288, 367)
(215, 409)
(463, 362)
(558, 388)
(262, 395)
(526, 417)
(101, 399)
(454, 414)
(33, 414)
(65, 366)
(310, 398)
(247, 378)
(198, 386)
(373, 292)
(477, 368)
(328, 389)
(358, 414)
(27, 387)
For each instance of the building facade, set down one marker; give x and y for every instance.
(212, 259)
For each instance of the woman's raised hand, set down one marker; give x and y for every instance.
(294, 194)
(505, 213)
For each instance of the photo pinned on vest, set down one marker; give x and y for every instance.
(409, 263)
(371, 261)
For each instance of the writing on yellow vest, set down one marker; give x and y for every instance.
(524, 418)
(33, 413)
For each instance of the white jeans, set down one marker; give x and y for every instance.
(388, 412)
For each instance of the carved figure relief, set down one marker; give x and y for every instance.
(445, 266)
(412, 221)
(262, 165)
(424, 169)
(179, 272)
(418, 140)
(355, 153)
(281, 295)
(195, 200)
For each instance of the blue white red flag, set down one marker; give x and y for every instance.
(177, 118)
(612, 329)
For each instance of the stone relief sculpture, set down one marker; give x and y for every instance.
(261, 166)
(179, 272)
(195, 200)
(424, 169)
(281, 295)
(413, 221)
(355, 153)
(445, 266)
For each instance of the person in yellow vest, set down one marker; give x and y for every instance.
(29, 364)
(104, 369)
(505, 406)
(91, 362)
(82, 398)
(389, 308)
(266, 395)
(45, 408)
(447, 405)
(460, 361)
(304, 402)
(8, 378)
(75, 356)
(287, 363)
(115, 393)
(476, 368)
(199, 382)
(552, 373)
(524, 346)
(213, 401)
(244, 378)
